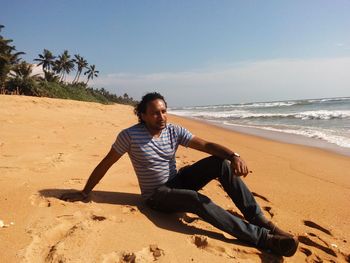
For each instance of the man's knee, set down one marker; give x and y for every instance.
(220, 166)
(226, 168)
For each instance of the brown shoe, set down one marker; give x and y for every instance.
(282, 245)
(263, 222)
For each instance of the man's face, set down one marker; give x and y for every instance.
(155, 116)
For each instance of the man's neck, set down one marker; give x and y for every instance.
(153, 132)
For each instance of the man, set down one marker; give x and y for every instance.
(152, 144)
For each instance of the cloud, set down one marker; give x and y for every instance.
(264, 80)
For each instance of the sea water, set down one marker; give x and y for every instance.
(320, 122)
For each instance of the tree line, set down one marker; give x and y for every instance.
(16, 76)
(57, 68)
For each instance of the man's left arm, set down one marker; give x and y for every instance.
(238, 164)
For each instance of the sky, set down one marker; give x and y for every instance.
(195, 52)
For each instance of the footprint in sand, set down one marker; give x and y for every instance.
(269, 210)
(261, 197)
(78, 147)
(236, 252)
(148, 254)
(75, 181)
(49, 162)
(48, 245)
(127, 257)
(312, 243)
(63, 239)
(98, 218)
(310, 256)
(202, 242)
(187, 219)
(317, 226)
(57, 158)
(128, 209)
(40, 201)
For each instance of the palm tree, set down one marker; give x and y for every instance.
(51, 76)
(81, 64)
(46, 60)
(8, 58)
(21, 77)
(91, 73)
(23, 71)
(63, 65)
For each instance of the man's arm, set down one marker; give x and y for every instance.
(238, 165)
(97, 174)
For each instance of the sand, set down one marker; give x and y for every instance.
(49, 146)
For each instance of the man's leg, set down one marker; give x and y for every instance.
(196, 176)
(180, 195)
(174, 197)
(169, 199)
(200, 173)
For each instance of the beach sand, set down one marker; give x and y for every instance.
(49, 146)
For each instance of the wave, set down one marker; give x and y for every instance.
(325, 135)
(329, 99)
(242, 114)
(245, 105)
(273, 104)
(323, 115)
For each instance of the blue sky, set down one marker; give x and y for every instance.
(196, 52)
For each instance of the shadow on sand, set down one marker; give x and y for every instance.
(162, 220)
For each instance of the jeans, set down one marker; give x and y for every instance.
(181, 195)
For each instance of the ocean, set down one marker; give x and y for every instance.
(323, 123)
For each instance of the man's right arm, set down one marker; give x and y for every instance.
(97, 174)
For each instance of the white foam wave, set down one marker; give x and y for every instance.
(335, 139)
(242, 114)
(271, 104)
(323, 115)
(245, 105)
(329, 99)
(325, 135)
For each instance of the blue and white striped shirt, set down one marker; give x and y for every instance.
(153, 159)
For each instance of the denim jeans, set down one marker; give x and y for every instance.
(181, 195)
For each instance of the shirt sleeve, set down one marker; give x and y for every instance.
(122, 143)
(184, 136)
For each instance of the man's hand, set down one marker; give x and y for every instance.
(94, 178)
(239, 167)
(74, 196)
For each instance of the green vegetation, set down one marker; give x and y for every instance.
(16, 76)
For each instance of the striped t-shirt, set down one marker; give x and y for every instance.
(153, 159)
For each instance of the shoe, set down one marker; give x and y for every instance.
(261, 221)
(282, 245)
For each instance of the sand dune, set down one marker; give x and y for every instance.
(50, 146)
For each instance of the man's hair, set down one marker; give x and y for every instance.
(141, 107)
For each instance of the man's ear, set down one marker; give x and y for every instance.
(143, 116)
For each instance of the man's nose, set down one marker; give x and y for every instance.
(162, 116)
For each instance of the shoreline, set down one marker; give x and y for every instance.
(288, 138)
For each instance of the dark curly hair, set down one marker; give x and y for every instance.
(141, 107)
